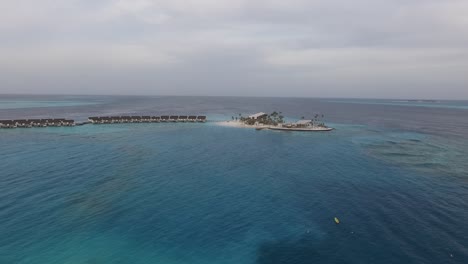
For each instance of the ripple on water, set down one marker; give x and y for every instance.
(209, 194)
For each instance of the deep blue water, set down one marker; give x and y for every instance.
(395, 175)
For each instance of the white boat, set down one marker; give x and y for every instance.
(302, 125)
(311, 129)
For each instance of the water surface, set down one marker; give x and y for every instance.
(396, 176)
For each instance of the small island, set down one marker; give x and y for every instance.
(275, 121)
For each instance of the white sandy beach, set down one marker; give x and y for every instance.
(239, 124)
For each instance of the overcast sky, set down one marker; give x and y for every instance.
(312, 48)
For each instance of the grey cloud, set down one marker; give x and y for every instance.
(362, 48)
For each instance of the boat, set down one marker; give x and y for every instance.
(311, 129)
(337, 221)
(302, 125)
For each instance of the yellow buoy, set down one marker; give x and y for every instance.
(337, 220)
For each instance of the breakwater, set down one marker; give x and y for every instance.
(59, 122)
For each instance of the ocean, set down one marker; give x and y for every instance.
(394, 172)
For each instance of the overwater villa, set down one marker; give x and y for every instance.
(58, 122)
(28, 123)
(7, 124)
(145, 119)
(201, 119)
(275, 121)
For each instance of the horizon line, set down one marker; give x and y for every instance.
(232, 96)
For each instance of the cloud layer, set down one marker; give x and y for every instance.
(333, 48)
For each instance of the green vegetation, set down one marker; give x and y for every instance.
(272, 119)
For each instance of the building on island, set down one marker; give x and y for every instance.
(303, 123)
(258, 116)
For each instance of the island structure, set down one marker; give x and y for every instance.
(275, 121)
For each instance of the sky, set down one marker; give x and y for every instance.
(293, 48)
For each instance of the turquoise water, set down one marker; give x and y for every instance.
(203, 193)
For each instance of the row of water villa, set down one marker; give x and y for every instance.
(60, 122)
(28, 123)
(146, 119)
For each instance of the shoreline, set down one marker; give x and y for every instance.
(239, 124)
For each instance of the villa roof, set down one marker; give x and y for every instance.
(192, 117)
(303, 122)
(257, 115)
(201, 117)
